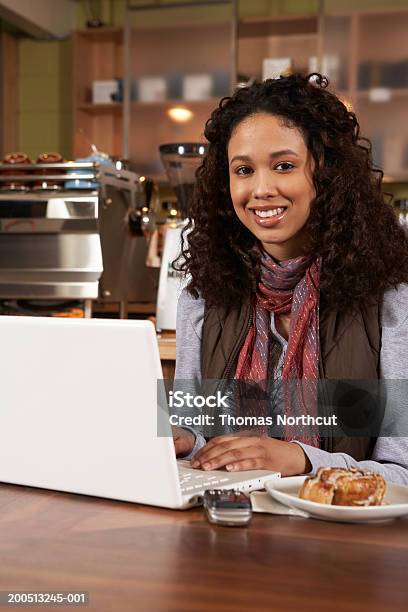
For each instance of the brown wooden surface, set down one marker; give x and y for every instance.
(97, 56)
(167, 346)
(113, 308)
(132, 557)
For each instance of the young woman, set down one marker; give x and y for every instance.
(299, 271)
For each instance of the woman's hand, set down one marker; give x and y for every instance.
(237, 453)
(183, 440)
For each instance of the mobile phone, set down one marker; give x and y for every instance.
(227, 507)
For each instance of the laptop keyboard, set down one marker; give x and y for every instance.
(197, 480)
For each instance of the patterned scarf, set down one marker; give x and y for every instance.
(288, 287)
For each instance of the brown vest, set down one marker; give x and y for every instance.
(349, 349)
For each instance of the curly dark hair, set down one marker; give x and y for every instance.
(352, 225)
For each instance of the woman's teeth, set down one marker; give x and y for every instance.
(269, 213)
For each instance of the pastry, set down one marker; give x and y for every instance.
(11, 159)
(344, 487)
(49, 158)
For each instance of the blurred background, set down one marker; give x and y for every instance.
(75, 72)
(107, 83)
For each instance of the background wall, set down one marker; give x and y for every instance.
(44, 73)
(111, 11)
(45, 100)
(8, 92)
(40, 18)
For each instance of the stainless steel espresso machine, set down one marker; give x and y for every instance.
(66, 233)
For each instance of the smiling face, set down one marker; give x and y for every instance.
(271, 183)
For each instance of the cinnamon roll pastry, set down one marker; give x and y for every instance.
(344, 487)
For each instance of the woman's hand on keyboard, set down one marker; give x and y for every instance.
(237, 453)
(183, 441)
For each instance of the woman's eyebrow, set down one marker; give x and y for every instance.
(284, 152)
(240, 158)
(246, 158)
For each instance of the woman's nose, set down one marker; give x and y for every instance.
(265, 186)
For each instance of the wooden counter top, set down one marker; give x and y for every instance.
(167, 346)
(130, 557)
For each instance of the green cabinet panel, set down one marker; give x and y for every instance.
(45, 96)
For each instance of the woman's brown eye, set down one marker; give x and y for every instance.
(285, 166)
(243, 170)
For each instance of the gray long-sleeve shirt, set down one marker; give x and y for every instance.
(390, 454)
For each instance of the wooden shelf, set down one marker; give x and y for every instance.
(278, 26)
(90, 107)
(101, 34)
(169, 102)
(97, 56)
(397, 92)
(396, 178)
(136, 308)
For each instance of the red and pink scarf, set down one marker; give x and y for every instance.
(288, 287)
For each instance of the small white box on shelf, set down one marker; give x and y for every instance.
(152, 89)
(379, 94)
(274, 67)
(197, 86)
(102, 91)
(329, 66)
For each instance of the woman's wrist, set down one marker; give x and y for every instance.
(301, 462)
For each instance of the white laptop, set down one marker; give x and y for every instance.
(78, 413)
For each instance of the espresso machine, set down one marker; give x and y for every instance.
(181, 161)
(70, 232)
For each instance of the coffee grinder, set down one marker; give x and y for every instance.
(180, 161)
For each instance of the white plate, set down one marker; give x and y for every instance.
(285, 490)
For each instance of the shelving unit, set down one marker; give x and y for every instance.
(295, 37)
(171, 102)
(97, 55)
(373, 51)
(355, 40)
(174, 54)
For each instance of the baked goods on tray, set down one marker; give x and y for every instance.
(344, 487)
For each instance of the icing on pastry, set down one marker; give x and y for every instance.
(344, 487)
